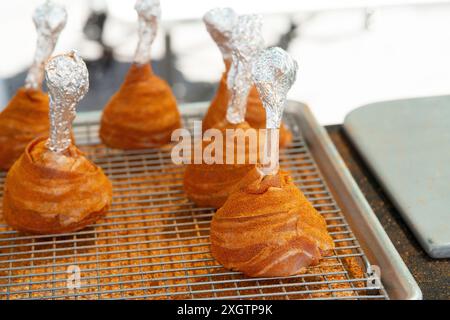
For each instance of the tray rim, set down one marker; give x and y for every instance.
(398, 281)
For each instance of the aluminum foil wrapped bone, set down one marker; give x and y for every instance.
(246, 43)
(149, 13)
(68, 82)
(49, 19)
(220, 23)
(274, 72)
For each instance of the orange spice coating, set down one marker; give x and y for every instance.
(142, 114)
(24, 118)
(209, 185)
(255, 115)
(267, 228)
(47, 192)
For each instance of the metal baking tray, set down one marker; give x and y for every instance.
(154, 242)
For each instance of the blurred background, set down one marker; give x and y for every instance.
(350, 52)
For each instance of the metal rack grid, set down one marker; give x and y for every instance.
(154, 243)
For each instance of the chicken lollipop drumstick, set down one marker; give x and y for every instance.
(26, 115)
(143, 113)
(267, 227)
(52, 187)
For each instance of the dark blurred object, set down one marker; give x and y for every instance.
(286, 38)
(104, 73)
(93, 29)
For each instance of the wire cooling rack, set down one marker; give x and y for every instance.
(154, 242)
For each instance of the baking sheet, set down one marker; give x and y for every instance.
(154, 243)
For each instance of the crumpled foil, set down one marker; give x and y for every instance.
(247, 42)
(68, 82)
(149, 13)
(274, 72)
(220, 22)
(49, 19)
